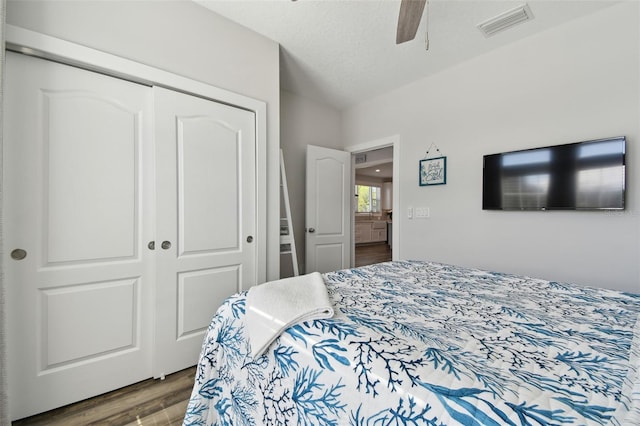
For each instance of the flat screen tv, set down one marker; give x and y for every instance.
(586, 175)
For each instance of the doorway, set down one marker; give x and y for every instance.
(374, 199)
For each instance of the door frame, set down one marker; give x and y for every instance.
(46, 47)
(389, 141)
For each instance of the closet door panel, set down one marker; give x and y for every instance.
(206, 200)
(196, 295)
(90, 151)
(209, 205)
(76, 202)
(115, 300)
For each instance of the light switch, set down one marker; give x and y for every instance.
(410, 212)
(422, 212)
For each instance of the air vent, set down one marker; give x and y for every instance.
(506, 20)
(361, 158)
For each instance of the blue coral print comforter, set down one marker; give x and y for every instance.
(418, 343)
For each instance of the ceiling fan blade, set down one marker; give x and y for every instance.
(409, 19)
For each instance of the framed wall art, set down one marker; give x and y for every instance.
(433, 171)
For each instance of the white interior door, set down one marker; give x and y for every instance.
(328, 209)
(206, 165)
(76, 266)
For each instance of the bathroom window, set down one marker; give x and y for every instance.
(368, 198)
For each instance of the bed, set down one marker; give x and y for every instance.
(423, 343)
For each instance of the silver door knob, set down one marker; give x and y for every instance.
(18, 254)
(152, 245)
(249, 239)
(312, 230)
(166, 245)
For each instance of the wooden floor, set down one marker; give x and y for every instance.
(368, 254)
(152, 402)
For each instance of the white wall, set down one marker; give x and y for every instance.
(181, 37)
(303, 122)
(576, 82)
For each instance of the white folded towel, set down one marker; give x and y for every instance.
(274, 306)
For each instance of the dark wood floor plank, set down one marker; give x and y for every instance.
(123, 406)
(368, 254)
(170, 416)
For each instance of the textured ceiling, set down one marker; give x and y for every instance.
(342, 52)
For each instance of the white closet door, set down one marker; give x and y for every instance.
(75, 145)
(206, 200)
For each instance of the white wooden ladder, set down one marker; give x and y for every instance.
(287, 241)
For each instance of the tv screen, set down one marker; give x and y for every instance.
(577, 176)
